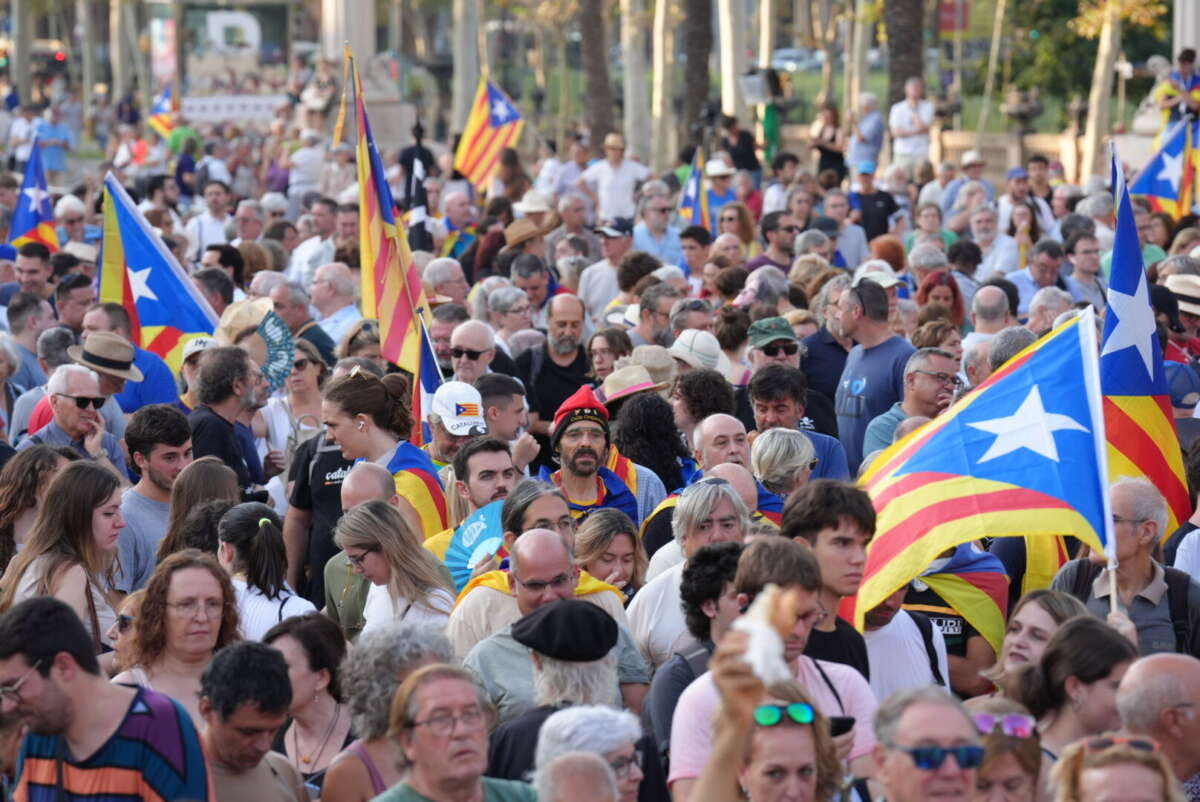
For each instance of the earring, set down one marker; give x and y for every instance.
(361, 426)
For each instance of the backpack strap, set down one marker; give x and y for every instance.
(926, 627)
(1085, 575)
(1178, 584)
(697, 660)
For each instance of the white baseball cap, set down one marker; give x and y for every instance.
(196, 345)
(460, 408)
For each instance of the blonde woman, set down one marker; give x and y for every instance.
(1099, 768)
(406, 582)
(607, 546)
(782, 459)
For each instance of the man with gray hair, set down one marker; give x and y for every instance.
(264, 281)
(866, 130)
(708, 511)
(654, 316)
(1046, 305)
(924, 259)
(930, 383)
(814, 241)
(573, 211)
(292, 302)
(445, 277)
(976, 365)
(1161, 605)
(543, 574)
(248, 221)
(1007, 344)
(999, 250)
(472, 349)
(654, 234)
(577, 777)
(1159, 697)
(926, 745)
(333, 293)
(75, 399)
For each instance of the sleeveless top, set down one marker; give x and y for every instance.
(359, 751)
(106, 616)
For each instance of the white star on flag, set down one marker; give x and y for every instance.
(1172, 169)
(1135, 323)
(139, 284)
(500, 110)
(1031, 427)
(36, 196)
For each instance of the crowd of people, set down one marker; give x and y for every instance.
(216, 589)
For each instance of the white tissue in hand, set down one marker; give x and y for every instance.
(764, 652)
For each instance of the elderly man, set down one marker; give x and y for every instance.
(1158, 697)
(445, 277)
(248, 221)
(556, 370)
(914, 724)
(52, 351)
(1163, 604)
(1045, 307)
(930, 382)
(543, 573)
(157, 385)
(709, 511)
(924, 259)
(292, 304)
(577, 777)
(74, 393)
(654, 316)
(460, 229)
(318, 249)
(989, 315)
(333, 292)
(598, 282)
(446, 317)
(1044, 270)
(455, 416)
(573, 210)
(731, 247)
(611, 182)
(472, 349)
(825, 350)
(1000, 254)
(654, 234)
(1008, 343)
(976, 362)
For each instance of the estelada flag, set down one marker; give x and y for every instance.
(1024, 454)
(33, 219)
(493, 125)
(138, 272)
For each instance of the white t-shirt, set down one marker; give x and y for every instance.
(656, 618)
(900, 647)
(670, 554)
(904, 116)
(597, 287)
(305, 171)
(22, 129)
(615, 186)
(257, 613)
(378, 611)
(204, 230)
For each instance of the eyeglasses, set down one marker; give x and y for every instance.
(790, 229)
(357, 559)
(1014, 725)
(519, 310)
(564, 525)
(124, 622)
(1118, 520)
(537, 586)
(623, 765)
(301, 364)
(189, 609)
(931, 758)
(459, 353)
(443, 723)
(82, 401)
(663, 210)
(770, 715)
(1109, 741)
(787, 347)
(13, 692)
(942, 378)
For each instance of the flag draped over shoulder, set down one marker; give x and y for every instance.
(138, 272)
(1023, 454)
(1137, 405)
(391, 286)
(974, 585)
(162, 114)
(1167, 181)
(493, 125)
(693, 202)
(33, 219)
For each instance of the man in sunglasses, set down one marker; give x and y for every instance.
(779, 231)
(930, 383)
(928, 747)
(75, 402)
(654, 234)
(472, 349)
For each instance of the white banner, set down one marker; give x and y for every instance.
(237, 108)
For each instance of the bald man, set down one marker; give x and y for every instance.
(333, 292)
(1159, 696)
(472, 349)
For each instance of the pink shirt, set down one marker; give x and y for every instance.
(692, 724)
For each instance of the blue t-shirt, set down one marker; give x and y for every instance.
(156, 387)
(831, 457)
(54, 157)
(872, 381)
(715, 202)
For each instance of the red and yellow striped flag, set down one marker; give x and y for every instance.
(494, 124)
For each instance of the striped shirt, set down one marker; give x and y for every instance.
(154, 755)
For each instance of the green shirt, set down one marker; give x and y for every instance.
(345, 594)
(1151, 253)
(493, 791)
(179, 135)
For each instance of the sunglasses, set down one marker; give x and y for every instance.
(459, 353)
(1109, 741)
(663, 210)
(789, 348)
(301, 364)
(1014, 725)
(82, 401)
(70, 220)
(124, 622)
(931, 758)
(770, 715)
(729, 219)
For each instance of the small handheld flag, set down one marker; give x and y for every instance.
(33, 219)
(139, 273)
(162, 114)
(693, 202)
(1166, 182)
(493, 125)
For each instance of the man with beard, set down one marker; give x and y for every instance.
(556, 370)
(228, 385)
(486, 467)
(654, 321)
(52, 682)
(160, 445)
(580, 436)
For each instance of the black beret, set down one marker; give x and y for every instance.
(570, 630)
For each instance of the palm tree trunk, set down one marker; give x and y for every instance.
(634, 27)
(697, 47)
(1101, 92)
(906, 49)
(594, 55)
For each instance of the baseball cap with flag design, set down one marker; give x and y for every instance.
(460, 408)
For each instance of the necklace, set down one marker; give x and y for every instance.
(309, 760)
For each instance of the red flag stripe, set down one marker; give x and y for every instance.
(1128, 437)
(476, 152)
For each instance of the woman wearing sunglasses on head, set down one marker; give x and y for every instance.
(1110, 767)
(1012, 759)
(769, 744)
(1072, 691)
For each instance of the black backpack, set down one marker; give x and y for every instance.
(1178, 583)
(926, 627)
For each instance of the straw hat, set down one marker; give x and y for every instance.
(106, 352)
(627, 381)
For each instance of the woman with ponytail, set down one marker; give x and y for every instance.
(251, 551)
(1072, 690)
(370, 418)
